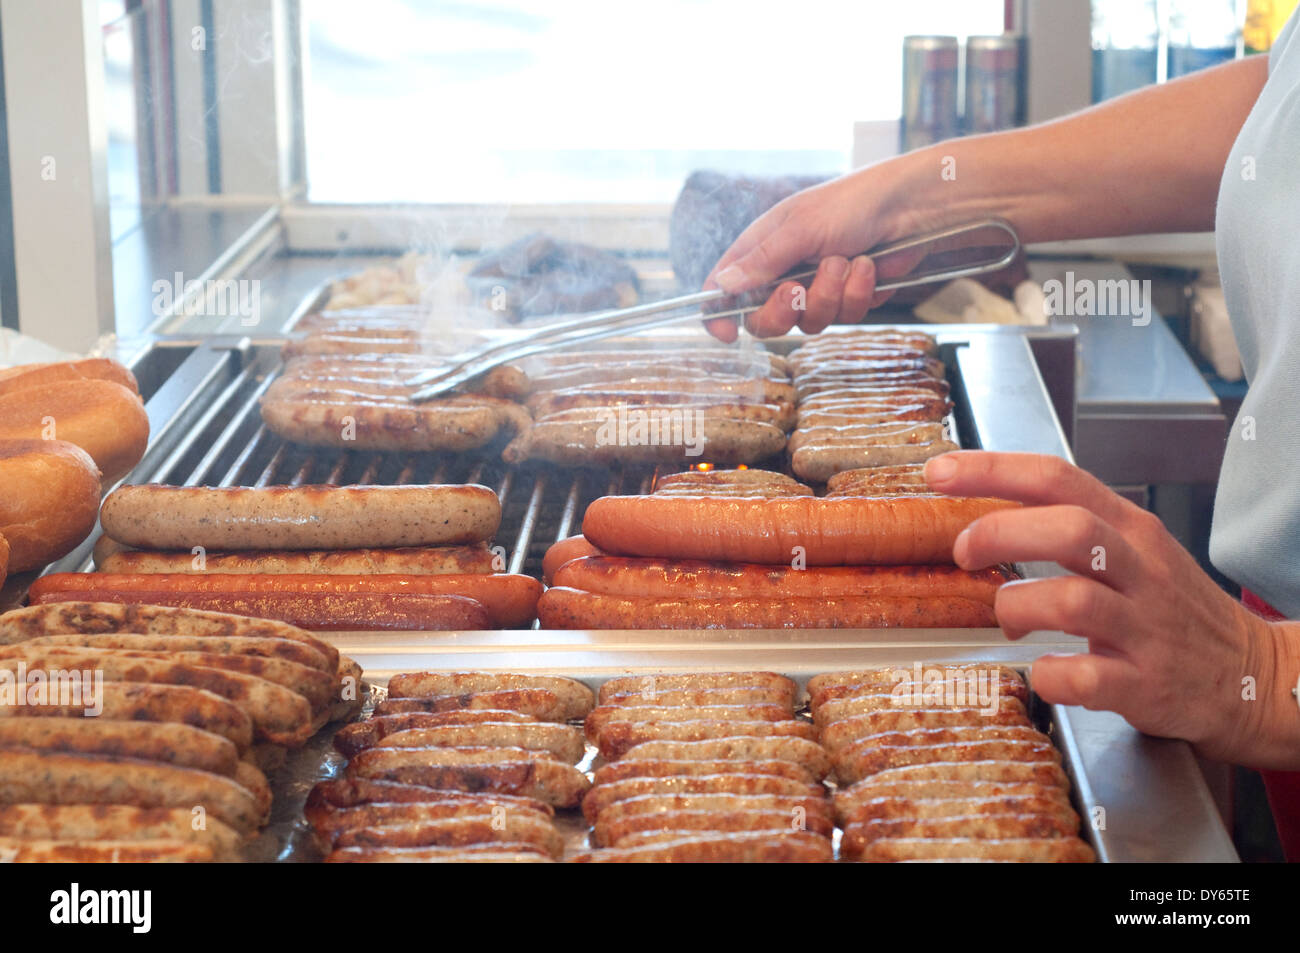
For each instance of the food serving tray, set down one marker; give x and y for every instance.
(1141, 799)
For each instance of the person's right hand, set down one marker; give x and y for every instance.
(834, 223)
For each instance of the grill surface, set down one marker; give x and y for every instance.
(227, 445)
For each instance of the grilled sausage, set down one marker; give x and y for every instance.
(759, 847)
(30, 777)
(299, 517)
(552, 782)
(146, 741)
(619, 833)
(153, 704)
(494, 852)
(598, 798)
(117, 822)
(576, 697)
(872, 760)
(698, 681)
(601, 717)
(459, 830)
(327, 797)
(560, 741)
(539, 703)
(620, 737)
(841, 728)
(1022, 850)
(808, 755)
(626, 768)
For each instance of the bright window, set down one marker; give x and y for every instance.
(593, 101)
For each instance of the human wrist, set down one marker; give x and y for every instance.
(1268, 736)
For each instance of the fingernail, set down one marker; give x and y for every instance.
(959, 546)
(940, 469)
(837, 268)
(862, 265)
(730, 279)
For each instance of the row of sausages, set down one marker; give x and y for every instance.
(139, 733)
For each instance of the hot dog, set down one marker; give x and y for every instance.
(152, 851)
(625, 768)
(430, 560)
(849, 769)
(510, 598)
(854, 436)
(696, 697)
(157, 741)
(838, 728)
(807, 755)
(792, 806)
(300, 517)
(620, 833)
(332, 822)
(29, 777)
(760, 847)
(279, 715)
(851, 748)
(663, 406)
(136, 702)
(563, 742)
(994, 770)
(366, 734)
(830, 532)
(696, 681)
(321, 610)
(847, 799)
(283, 649)
(576, 697)
(818, 462)
(329, 796)
(725, 478)
(494, 852)
(989, 827)
(599, 798)
(561, 552)
(1020, 850)
(122, 822)
(562, 608)
(619, 737)
(552, 782)
(482, 827)
(699, 579)
(685, 435)
(525, 702)
(350, 423)
(602, 717)
(312, 684)
(94, 618)
(952, 690)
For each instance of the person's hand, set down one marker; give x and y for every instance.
(834, 222)
(1167, 648)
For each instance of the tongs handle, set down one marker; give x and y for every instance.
(435, 383)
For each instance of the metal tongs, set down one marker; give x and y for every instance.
(435, 383)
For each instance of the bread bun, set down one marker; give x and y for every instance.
(103, 418)
(4, 559)
(90, 368)
(50, 500)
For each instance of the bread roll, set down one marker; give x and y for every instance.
(91, 368)
(101, 417)
(50, 500)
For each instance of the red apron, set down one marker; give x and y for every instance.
(1283, 787)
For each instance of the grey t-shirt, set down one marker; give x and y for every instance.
(1255, 539)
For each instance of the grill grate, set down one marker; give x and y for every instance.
(228, 446)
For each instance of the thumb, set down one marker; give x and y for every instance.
(774, 255)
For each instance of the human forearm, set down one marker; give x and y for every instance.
(1146, 162)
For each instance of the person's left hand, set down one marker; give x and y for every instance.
(1167, 648)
